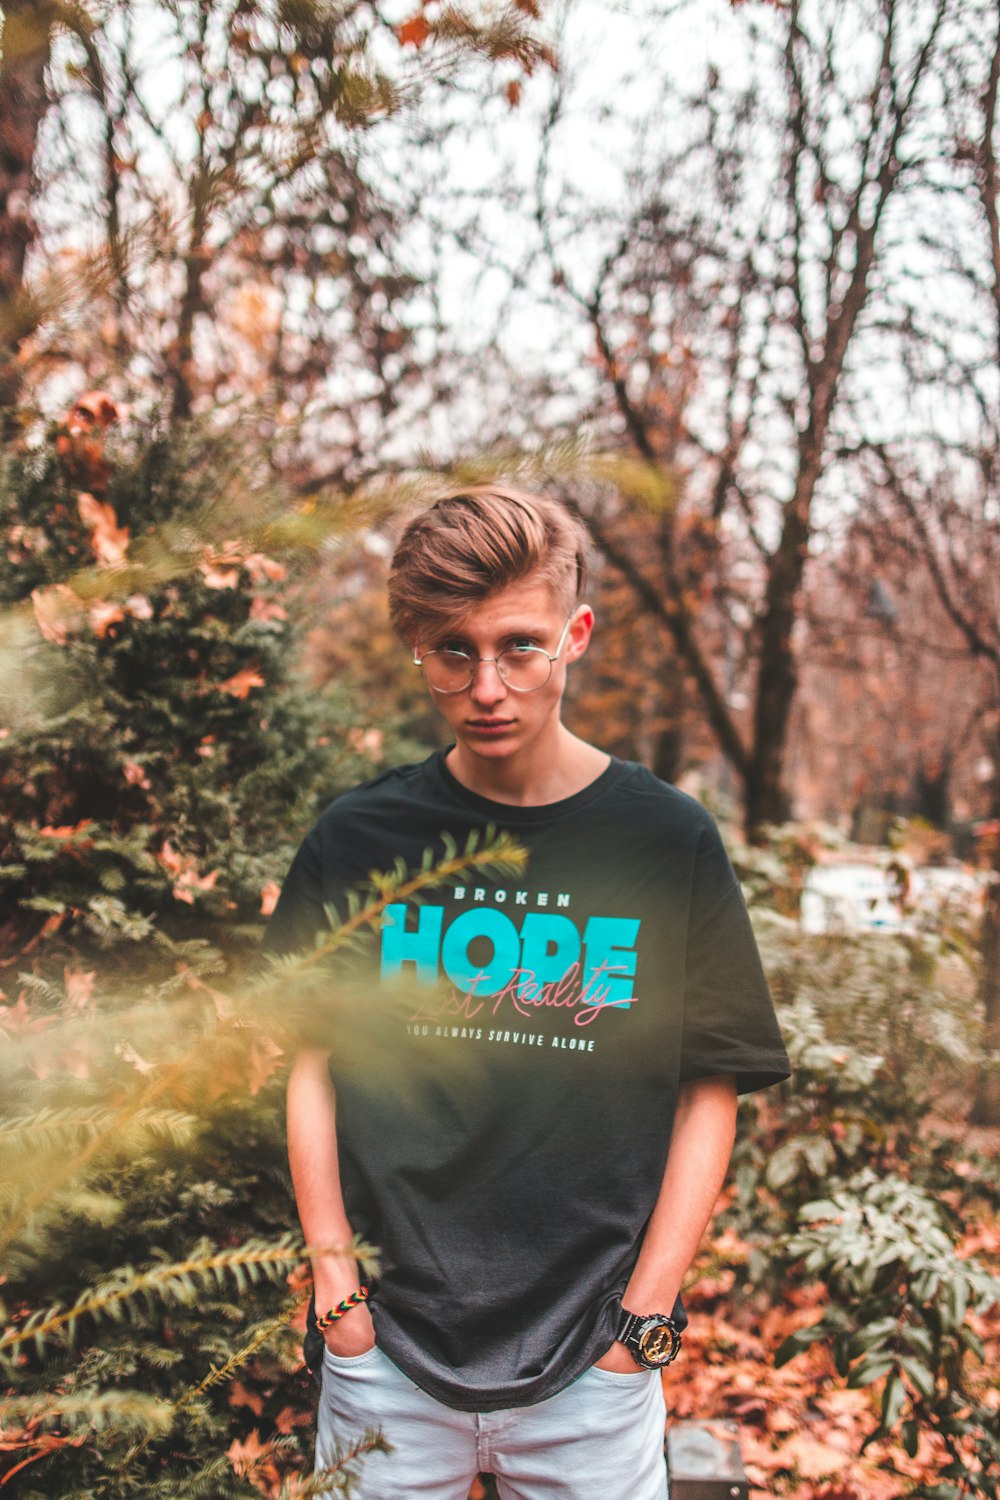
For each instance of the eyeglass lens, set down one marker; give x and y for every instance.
(524, 669)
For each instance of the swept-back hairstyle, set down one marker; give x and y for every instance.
(477, 540)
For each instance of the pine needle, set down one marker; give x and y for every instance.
(177, 1281)
(219, 1374)
(499, 852)
(57, 1127)
(100, 1409)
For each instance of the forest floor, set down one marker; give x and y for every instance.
(802, 1430)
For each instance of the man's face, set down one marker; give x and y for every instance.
(489, 719)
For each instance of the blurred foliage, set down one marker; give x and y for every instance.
(903, 1312)
(163, 751)
(861, 1171)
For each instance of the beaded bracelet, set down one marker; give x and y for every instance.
(354, 1300)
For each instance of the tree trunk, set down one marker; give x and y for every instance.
(986, 1108)
(23, 102)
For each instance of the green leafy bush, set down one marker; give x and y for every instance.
(900, 1313)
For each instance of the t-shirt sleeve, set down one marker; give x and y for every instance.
(298, 915)
(729, 1020)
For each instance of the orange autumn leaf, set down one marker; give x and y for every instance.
(244, 1455)
(58, 612)
(135, 775)
(222, 1003)
(103, 614)
(139, 607)
(812, 1458)
(254, 1460)
(269, 897)
(185, 872)
(107, 538)
(219, 578)
(241, 1395)
(240, 684)
(128, 1054)
(265, 1056)
(66, 830)
(190, 882)
(289, 1418)
(79, 986)
(512, 91)
(267, 610)
(414, 32)
(259, 566)
(19, 1019)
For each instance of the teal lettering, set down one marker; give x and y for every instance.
(419, 946)
(500, 931)
(610, 944)
(549, 946)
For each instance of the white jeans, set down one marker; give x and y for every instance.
(599, 1439)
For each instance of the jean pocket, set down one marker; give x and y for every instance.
(349, 1361)
(621, 1376)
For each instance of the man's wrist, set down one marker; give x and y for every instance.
(338, 1310)
(652, 1339)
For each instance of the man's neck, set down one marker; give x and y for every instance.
(565, 769)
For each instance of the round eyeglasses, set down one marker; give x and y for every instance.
(524, 669)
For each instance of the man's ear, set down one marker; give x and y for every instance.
(580, 632)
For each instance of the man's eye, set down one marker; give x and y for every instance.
(453, 649)
(526, 644)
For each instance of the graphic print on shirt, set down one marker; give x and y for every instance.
(506, 971)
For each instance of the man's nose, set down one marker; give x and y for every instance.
(487, 685)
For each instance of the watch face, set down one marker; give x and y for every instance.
(658, 1342)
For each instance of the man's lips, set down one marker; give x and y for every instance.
(489, 723)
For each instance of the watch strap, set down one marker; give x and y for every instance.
(630, 1328)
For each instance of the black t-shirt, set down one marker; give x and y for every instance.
(507, 1079)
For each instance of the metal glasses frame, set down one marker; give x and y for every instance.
(476, 661)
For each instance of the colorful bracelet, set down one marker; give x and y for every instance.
(354, 1300)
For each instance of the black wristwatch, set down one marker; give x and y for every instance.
(652, 1339)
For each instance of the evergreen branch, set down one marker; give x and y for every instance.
(55, 1127)
(339, 1474)
(176, 1281)
(487, 852)
(502, 853)
(138, 1105)
(219, 1374)
(101, 1409)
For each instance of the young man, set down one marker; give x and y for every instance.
(535, 1131)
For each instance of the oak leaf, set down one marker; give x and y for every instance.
(414, 32)
(104, 614)
(240, 684)
(260, 566)
(219, 578)
(135, 775)
(107, 538)
(65, 830)
(267, 610)
(58, 612)
(79, 986)
(265, 1056)
(241, 1395)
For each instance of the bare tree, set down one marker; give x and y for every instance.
(744, 316)
(938, 493)
(26, 38)
(222, 156)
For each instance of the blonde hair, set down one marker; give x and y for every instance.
(475, 541)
